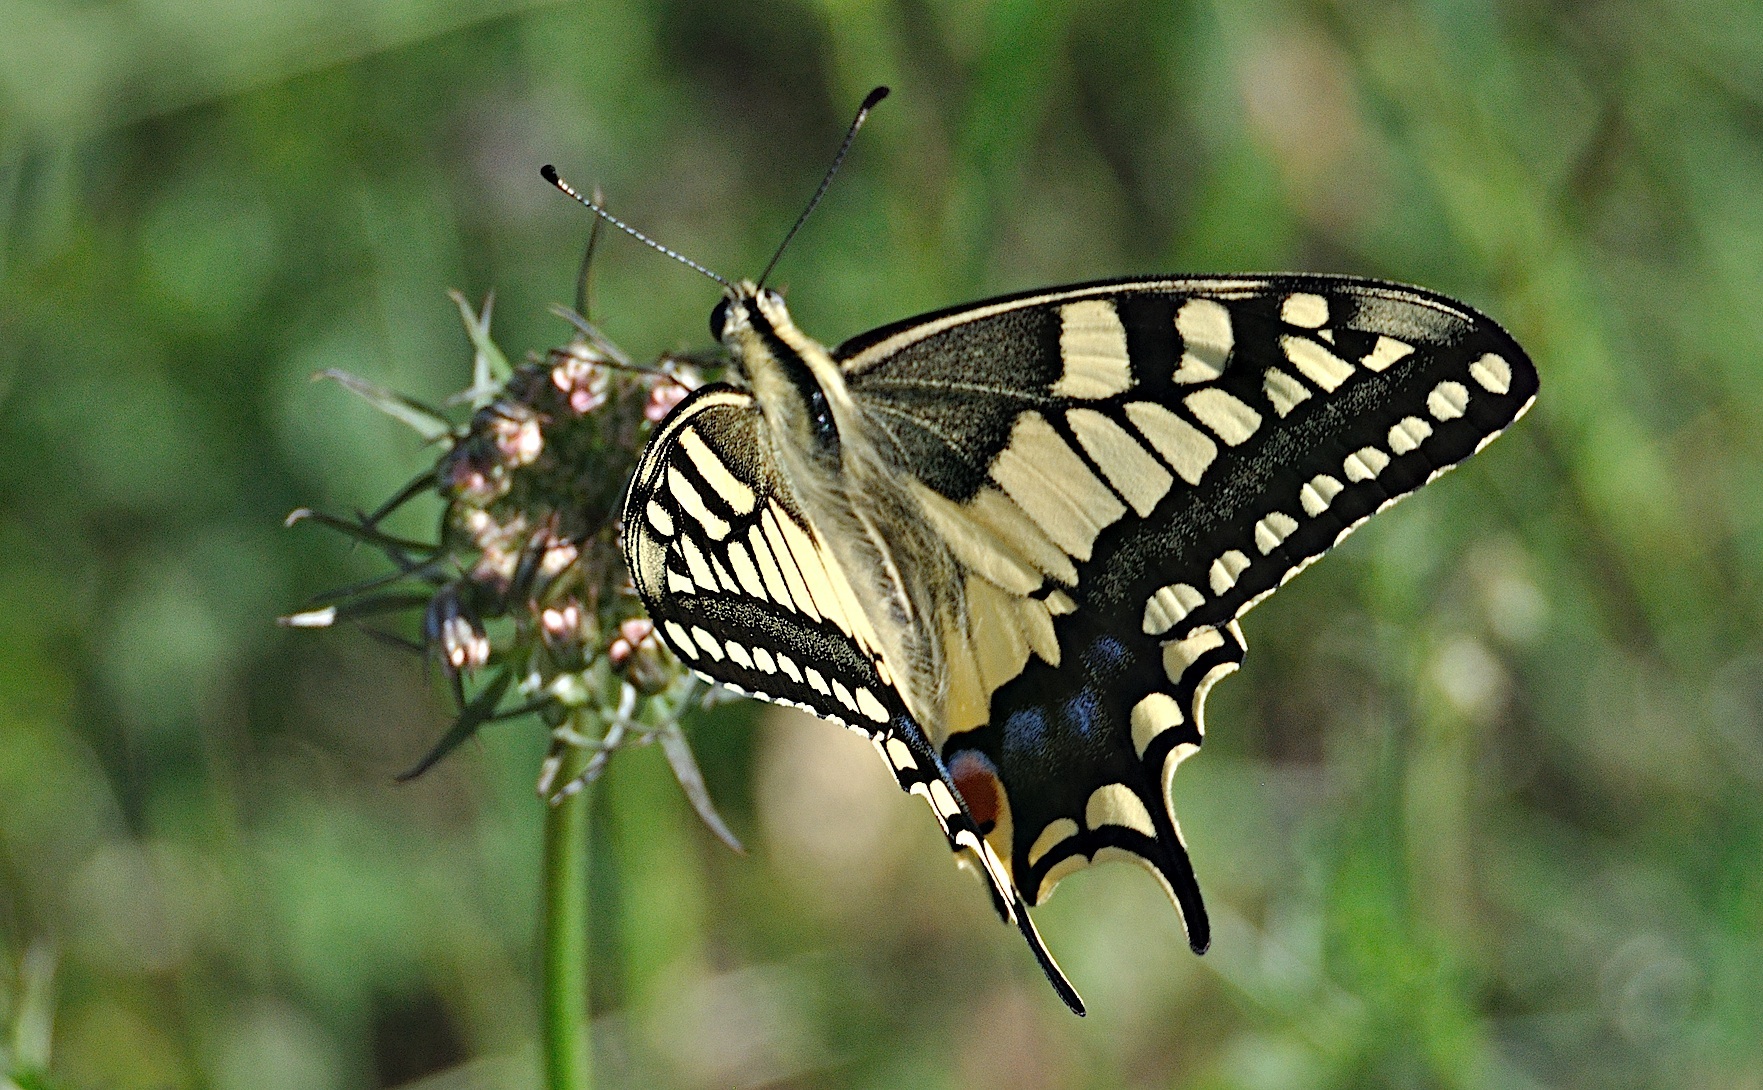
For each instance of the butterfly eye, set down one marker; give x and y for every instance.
(719, 319)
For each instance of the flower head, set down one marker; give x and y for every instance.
(526, 584)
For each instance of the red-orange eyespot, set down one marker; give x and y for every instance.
(977, 780)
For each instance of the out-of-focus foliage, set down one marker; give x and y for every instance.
(1485, 809)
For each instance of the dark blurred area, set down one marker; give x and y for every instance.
(1484, 808)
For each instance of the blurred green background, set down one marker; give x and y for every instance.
(1484, 809)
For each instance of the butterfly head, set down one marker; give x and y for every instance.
(793, 378)
(733, 316)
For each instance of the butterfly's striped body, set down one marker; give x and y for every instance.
(1010, 541)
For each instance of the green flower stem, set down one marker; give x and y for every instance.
(565, 926)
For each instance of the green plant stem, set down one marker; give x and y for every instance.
(565, 928)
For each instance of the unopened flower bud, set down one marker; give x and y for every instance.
(465, 644)
(631, 635)
(639, 654)
(462, 476)
(582, 381)
(494, 568)
(518, 439)
(479, 524)
(561, 623)
(559, 555)
(664, 395)
(471, 476)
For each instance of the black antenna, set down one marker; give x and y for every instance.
(869, 102)
(549, 173)
(584, 275)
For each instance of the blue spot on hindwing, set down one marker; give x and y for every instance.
(1105, 660)
(1061, 731)
(1082, 713)
(1025, 730)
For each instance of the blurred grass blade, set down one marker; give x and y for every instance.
(367, 606)
(535, 705)
(33, 1016)
(392, 639)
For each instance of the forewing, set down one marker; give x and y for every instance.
(1188, 445)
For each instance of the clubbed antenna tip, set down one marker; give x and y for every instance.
(549, 173)
(869, 102)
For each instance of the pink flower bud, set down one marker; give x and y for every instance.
(470, 480)
(465, 645)
(632, 636)
(561, 622)
(664, 395)
(581, 381)
(519, 441)
(559, 555)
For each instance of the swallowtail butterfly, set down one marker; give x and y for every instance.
(1010, 542)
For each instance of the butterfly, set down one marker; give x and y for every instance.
(1010, 542)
